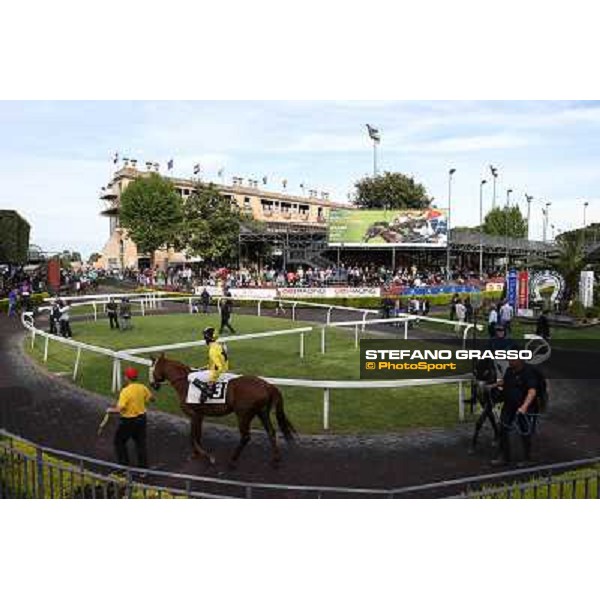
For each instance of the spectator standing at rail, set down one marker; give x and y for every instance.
(131, 407)
(111, 311)
(65, 320)
(468, 310)
(506, 315)
(453, 303)
(13, 298)
(279, 304)
(492, 321)
(461, 313)
(226, 310)
(425, 307)
(125, 314)
(205, 300)
(542, 327)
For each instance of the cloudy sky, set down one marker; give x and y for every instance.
(55, 156)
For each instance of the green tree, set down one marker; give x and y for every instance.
(94, 256)
(390, 191)
(505, 222)
(211, 225)
(570, 259)
(152, 212)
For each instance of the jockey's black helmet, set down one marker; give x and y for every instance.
(209, 332)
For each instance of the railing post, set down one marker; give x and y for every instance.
(356, 336)
(406, 329)
(259, 303)
(190, 305)
(364, 320)
(118, 367)
(114, 376)
(294, 311)
(142, 307)
(461, 401)
(46, 349)
(326, 409)
(329, 315)
(32, 339)
(39, 462)
(95, 311)
(323, 340)
(76, 367)
(302, 345)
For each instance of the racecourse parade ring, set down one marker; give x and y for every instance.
(298, 356)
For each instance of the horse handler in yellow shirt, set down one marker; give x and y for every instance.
(132, 423)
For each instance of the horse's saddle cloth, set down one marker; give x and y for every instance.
(217, 397)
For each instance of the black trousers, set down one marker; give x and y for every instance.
(132, 428)
(525, 426)
(225, 316)
(113, 320)
(65, 329)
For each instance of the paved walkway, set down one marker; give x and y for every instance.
(50, 410)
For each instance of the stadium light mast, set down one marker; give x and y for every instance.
(529, 199)
(483, 182)
(506, 220)
(494, 173)
(376, 137)
(450, 174)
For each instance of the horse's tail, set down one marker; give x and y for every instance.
(285, 426)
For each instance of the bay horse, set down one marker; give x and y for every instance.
(486, 374)
(247, 397)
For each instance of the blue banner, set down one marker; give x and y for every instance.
(439, 289)
(512, 288)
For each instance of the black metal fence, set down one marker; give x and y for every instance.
(29, 470)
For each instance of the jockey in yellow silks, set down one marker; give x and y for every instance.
(218, 363)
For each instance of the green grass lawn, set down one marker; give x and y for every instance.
(351, 410)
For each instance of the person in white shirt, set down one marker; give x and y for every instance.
(506, 315)
(461, 313)
(492, 321)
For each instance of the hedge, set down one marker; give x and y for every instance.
(35, 299)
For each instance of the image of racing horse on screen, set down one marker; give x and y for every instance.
(410, 227)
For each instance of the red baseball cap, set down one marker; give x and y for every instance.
(131, 373)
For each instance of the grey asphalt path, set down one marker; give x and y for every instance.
(50, 410)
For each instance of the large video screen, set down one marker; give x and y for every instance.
(411, 227)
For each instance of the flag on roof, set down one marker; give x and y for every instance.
(116, 158)
(264, 180)
(220, 172)
(284, 182)
(373, 133)
(170, 165)
(196, 168)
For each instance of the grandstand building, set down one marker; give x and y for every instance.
(287, 217)
(296, 229)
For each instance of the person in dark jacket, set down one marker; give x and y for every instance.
(521, 389)
(111, 311)
(205, 299)
(542, 327)
(226, 310)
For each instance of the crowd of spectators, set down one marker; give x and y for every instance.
(352, 275)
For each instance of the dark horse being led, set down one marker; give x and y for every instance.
(247, 397)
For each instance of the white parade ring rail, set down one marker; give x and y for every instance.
(325, 385)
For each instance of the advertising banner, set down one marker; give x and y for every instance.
(523, 289)
(330, 292)
(586, 288)
(512, 288)
(410, 227)
(433, 290)
(494, 286)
